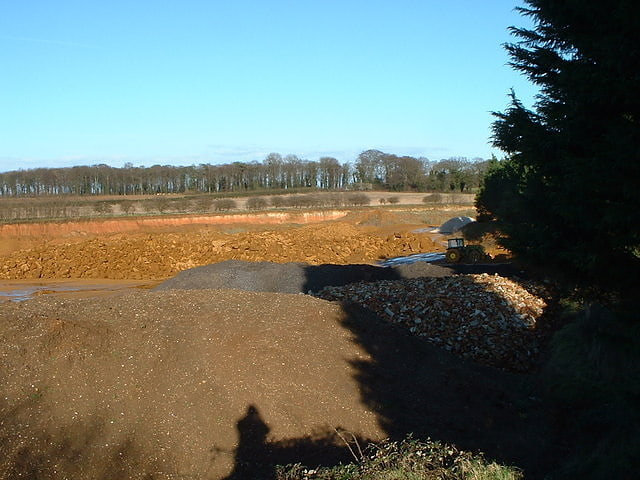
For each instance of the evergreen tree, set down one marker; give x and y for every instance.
(570, 198)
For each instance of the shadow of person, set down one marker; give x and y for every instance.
(252, 457)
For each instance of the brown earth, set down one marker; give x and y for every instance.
(215, 384)
(360, 238)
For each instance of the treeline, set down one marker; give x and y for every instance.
(373, 169)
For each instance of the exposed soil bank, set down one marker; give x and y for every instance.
(361, 238)
(129, 225)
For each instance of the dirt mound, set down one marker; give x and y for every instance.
(161, 255)
(159, 384)
(203, 384)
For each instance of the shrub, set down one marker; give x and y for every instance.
(257, 203)
(224, 204)
(203, 204)
(593, 377)
(432, 198)
(126, 206)
(278, 201)
(358, 199)
(406, 460)
(181, 204)
(103, 208)
(334, 200)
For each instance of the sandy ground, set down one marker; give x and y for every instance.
(224, 384)
(101, 378)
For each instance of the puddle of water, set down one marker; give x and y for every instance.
(417, 257)
(19, 292)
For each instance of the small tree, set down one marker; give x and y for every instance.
(564, 196)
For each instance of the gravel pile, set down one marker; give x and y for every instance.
(487, 318)
(293, 277)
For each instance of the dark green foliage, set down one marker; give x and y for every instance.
(593, 376)
(567, 196)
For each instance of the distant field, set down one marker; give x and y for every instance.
(62, 207)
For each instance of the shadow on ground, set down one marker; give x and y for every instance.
(420, 390)
(413, 388)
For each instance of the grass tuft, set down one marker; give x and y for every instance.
(407, 460)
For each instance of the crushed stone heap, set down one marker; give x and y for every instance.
(490, 319)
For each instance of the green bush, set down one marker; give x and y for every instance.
(593, 377)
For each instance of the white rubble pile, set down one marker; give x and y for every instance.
(487, 318)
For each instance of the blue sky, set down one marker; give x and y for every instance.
(189, 82)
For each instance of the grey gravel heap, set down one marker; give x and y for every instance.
(487, 318)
